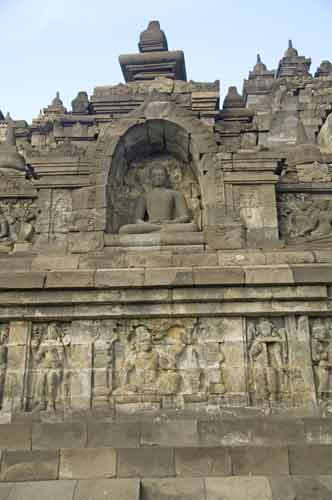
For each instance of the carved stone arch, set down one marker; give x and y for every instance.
(158, 131)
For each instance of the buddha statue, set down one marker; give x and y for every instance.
(161, 209)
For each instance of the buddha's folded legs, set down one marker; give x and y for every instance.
(189, 227)
(140, 228)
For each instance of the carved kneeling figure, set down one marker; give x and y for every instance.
(166, 209)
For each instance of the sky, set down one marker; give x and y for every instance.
(72, 45)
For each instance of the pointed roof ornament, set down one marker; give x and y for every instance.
(153, 39)
(325, 69)
(291, 52)
(56, 107)
(259, 68)
(292, 64)
(8, 118)
(233, 99)
(301, 134)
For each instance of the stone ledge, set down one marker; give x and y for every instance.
(22, 280)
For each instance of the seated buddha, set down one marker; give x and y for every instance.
(161, 209)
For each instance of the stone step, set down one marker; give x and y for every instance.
(174, 433)
(225, 488)
(164, 462)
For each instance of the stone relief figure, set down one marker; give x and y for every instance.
(50, 347)
(267, 354)
(321, 348)
(160, 209)
(17, 221)
(306, 219)
(4, 228)
(4, 334)
(145, 370)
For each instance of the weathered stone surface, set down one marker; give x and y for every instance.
(87, 463)
(310, 459)
(52, 490)
(119, 489)
(241, 488)
(218, 276)
(59, 435)
(28, 280)
(78, 279)
(171, 433)
(119, 278)
(202, 462)
(260, 461)
(145, 462)
(15, 436)
(115, 434)
(172, 489)
(30, 465)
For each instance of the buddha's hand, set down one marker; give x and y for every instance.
(155, 221)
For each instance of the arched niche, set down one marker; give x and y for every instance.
(324, 137)
(154, 141)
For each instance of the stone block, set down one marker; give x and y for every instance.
(28, 280)
(264, 275)
(213, 461)
(50, 490)
(260, 460)
(109, 278)
(268, 431)
(15, 437)
(225, 432)
(54, 263)
(149, 259)
(238, 488)
(241, 258)
(70, 279)
(108, 489)
(218, 276)
(145, 462)
(315, 273)
(318, 431)
(18, 333)
(289, 258)
(30, 465)
(205, 259)
(173, 489)
(172, 276)
(310, 459)
(85, 242)
(113, 434)
(171, 433)
(87, 463)
(59, 435)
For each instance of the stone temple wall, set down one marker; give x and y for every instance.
(166, 285)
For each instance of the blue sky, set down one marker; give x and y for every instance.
(71, 45)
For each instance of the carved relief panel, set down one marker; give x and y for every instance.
(268, 365)
(321, 352)
(49, 369)
(305, 217)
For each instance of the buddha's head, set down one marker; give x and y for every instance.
(159, 176)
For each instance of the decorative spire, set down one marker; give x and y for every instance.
(291, 52)
(233, 99)
(56, 107)
(259, 68)
(153, 39)
(325, 69)
(292, 64)
(301, 134)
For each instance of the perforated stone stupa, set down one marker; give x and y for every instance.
(165, 287)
